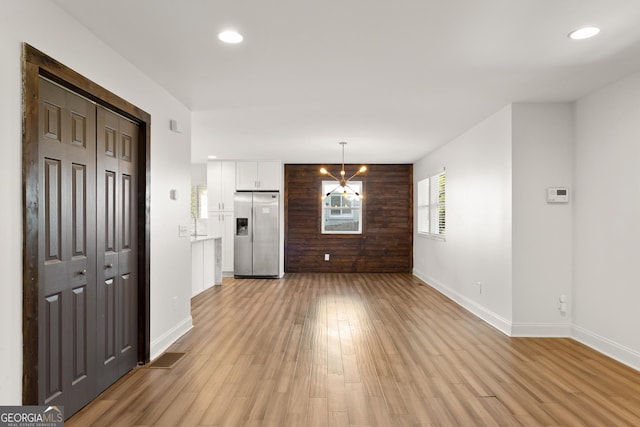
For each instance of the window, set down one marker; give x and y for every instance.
(341, 211)
(431, 205)
(199, 201)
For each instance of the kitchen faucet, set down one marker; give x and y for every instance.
(195, 225)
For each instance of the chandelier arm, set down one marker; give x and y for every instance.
(334, 189)
(329, 173)
(354, 191)
(354, 175)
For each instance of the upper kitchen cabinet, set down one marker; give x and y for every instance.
(264, 175)
(221, 184)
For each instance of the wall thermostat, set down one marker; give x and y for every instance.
(557, 195)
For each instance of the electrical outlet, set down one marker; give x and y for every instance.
(326, 257)
(480, 287)
(174, 303)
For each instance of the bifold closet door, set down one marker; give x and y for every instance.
(88, 286)
(67, 248)
(117, 288)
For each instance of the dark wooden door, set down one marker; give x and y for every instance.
(67, 248)
(88, 298)
(117, 290)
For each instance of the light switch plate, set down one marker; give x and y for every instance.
(183, 231)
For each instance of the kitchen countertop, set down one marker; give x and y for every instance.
(195, 239)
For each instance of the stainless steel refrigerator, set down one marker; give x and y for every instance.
(256, 245)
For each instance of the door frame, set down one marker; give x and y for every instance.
(34, 65)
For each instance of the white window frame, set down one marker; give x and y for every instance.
(331, 215)
(355, 214)
(431, 207)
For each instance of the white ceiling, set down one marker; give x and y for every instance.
(393, 78)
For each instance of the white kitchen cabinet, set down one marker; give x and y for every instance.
(221, 225)
(254, 175)
(227, 244)
(209, 263)
(203, 260)
(216, 223)
(197, 282)
(221, 184)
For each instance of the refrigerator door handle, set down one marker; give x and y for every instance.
(253, 223)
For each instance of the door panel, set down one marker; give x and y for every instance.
(66, 248)
(110, 212)
(108, 300)
(126, 212)
(80, 334)
(128, 255)
(53, 204)
(243, 234)
(79, 210)
(53, 350)
(265, 234)
(127, 323)
(116, 243)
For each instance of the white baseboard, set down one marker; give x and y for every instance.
(622, 354)
(495, 320)
(541, 330)
(605, 346)
(160, 344)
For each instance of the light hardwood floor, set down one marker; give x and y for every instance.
(363, 350)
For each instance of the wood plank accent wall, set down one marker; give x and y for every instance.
(386, 244)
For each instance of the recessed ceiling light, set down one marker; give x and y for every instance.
(230, 36)
(212, 157)
(584, 33)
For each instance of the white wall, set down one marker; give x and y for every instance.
(478, 234)
(74, 46)
(606, 239)
(527, 252)
(199, 174)
(542, 246)
(500, 230)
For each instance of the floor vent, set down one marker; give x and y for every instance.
(166, 361)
